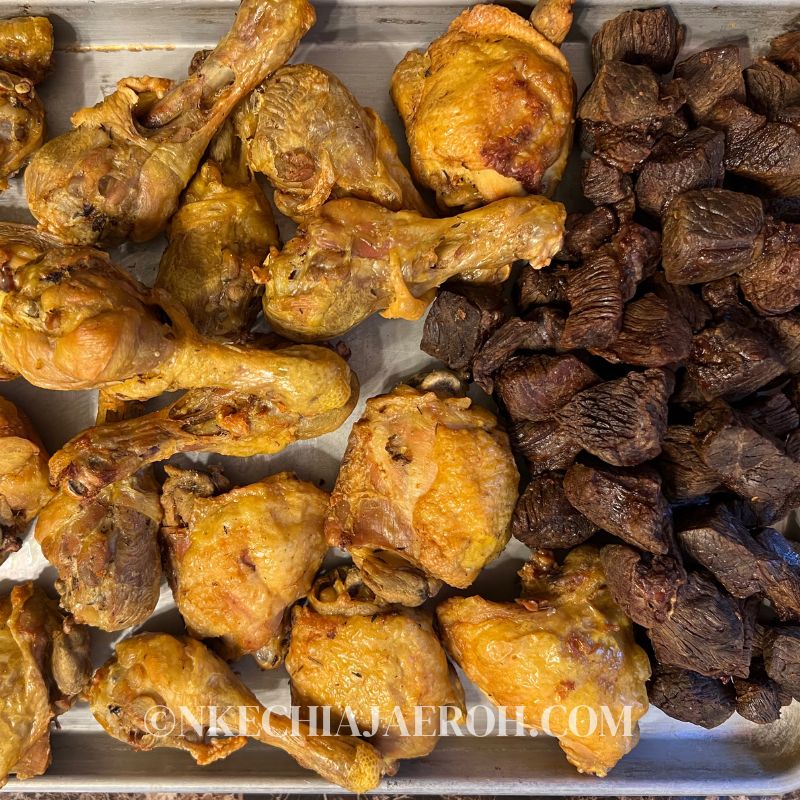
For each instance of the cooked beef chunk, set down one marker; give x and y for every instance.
(772, 283)
(639, 252)
(779, 573)
(643, 585)
(693, 162)
(770, 157)
(785, 50)
(722, 297)
(708, 632)
(758, 698)
(459, 322)
(770, 90)
(793, 447)
(734, 119)
(709, 76)
(652, 37)
(621, 421)
(774, 412)
(627, 503)
(540, 330)
(693, 309)
(690, 697)
(534, 387)
(546, 445)
(783, 333)
(684, 474)
(603, 183)
(731, 361)
(782, 657)
(777, 544)
(545, 519)
(586, 232)
(622, 112)
(542, 287)
(711, 233)
(654, 334)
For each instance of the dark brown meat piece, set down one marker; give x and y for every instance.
(459, 322)
(542, 329)
(643, 585)
(585, 233)
(770, 90)
(711, 233)
(770, 157)
(692, 307)
(734, 119)
(545, 519)
(785, 50)
(602, 183)
(782, 657)
(621, 421)
(723, 298)
(654, 334)
(709, 632)
(779, 572)
(690, 697)
(784, 209)
(709, 76)
(542, 287)
(684, 474)
(627, 503)
(546, 445)
(651, 37)
(774, 412)
(694, 161)
(758, 698)
(783, 333)
(534, 387)
(639, 252)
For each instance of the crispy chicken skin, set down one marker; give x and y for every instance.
(180, 674)
(565, 644)
(119, 173)
(238, 559)
(307, 133)
(45, 665)
(424, 495)
(26, 46)
(24, 486)
(21, 123)
(355, 258)
(222, 231)
(489, 107)
(350, 650)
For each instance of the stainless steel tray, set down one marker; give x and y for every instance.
(99, 41)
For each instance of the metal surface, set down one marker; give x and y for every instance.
(99, 42)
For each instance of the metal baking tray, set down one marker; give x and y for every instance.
(99, 41)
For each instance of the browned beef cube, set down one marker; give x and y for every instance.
(709, 76)
(774, 412)
(585, 233)
(770, 157)
(782, 657)
(542, 287)
(691, 697)
(770, 90)
(783, 333)
(734, 119)
(690, 305)
(546, 446)
(772, 283)
(684, 474)
(785, 51)
(603, 183)
(759, 698)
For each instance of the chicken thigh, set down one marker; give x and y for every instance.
(157, 688)
(45, 666)
(119, 173)
(238, 559)
(489, 106)
(424, 495)
(565, 645)
(355, 258)
(350, 650)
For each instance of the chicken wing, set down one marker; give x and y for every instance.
(119, 174)
(489, 107)
(237, 560)
(24, 485)
(561, 649)
(425, 494)
(314, 142)
(223, 230)
(351, 651)
(45, 665)
(164, 691)
(355, 258)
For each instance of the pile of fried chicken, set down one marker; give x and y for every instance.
(428, 483)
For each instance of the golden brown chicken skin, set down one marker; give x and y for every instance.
(307, 133)
(189, 683)
(238, 559)
(21, 123)
(564, 645)
(24, 484)
(424, 495)
(488, 107)
(119, 173)
(350, 650)
(26, 46)
(45, 666)
(355, 258)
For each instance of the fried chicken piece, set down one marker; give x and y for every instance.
(155, 679)
(489, 107)
(349, 650)
(564, 645)
(72, 319)
(21, 123)
(26, 46)
(425, 494)
(222, 231)
(119, 173)
(24, 485)
(307, 133)
(355, 258)
(46, 665)
(238, 559)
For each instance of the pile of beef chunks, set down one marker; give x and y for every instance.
(651, 375)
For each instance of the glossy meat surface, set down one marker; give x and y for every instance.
(26, 46)
(21, 123)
